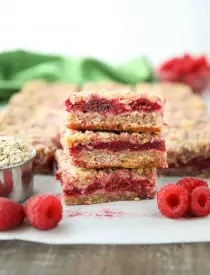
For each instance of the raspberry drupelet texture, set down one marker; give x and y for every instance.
(43, 212)
(200, 201)
(190, 183)
(173, 201)
(11, 214)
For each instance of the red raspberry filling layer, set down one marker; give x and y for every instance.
(117, 146)
(114, 106)
(141, 187)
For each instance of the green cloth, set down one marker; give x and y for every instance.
(19, 66)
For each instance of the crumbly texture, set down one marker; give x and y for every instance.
(110, 197)
(102, 84)
(187, 131)
(125, 159)
(184, 145)
(72, 137)
(14, 151)
(80, 177)
(167, 89)
(143, 180)
(133, 109)
(183, 110)
(90, 157)
(36, 114)
(190, 171)
(137, 121)
(125, 94)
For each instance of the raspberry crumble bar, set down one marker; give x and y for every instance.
(88, 186)
(115, 109)
(189, 151)
(97, 149)
(36, 113)
(187, 132)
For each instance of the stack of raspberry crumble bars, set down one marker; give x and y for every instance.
(112, 144)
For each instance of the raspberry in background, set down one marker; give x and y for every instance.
(190, 183)
(43, 212)
(200, 201)
(173, 201)
(187, 69)
(11, 214)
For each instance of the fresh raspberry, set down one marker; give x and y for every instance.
(43, 212)
(173, 201)
(200, 201)
(191, 183)
(11, 214)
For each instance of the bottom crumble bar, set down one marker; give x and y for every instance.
(89, 186)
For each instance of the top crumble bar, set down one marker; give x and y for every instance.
(121, 108)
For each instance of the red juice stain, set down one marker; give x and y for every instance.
(104, 213)
(110, 213)
(74, 214)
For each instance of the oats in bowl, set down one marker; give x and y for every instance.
(14, 151)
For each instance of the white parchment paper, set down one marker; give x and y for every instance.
(137, 222)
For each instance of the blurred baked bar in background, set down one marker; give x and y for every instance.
(187, 131)
(36, 113)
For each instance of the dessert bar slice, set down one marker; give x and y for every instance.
(183, 108)
(187, 133)
(36, 113)
(88, 186)
(115, 109)
(188, 151)
(113, 149)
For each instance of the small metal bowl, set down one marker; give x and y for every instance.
(16, 182)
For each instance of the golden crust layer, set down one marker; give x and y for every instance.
(101, 198)
(132, 122)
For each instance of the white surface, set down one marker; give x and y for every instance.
(114, 30)
(131, 223)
